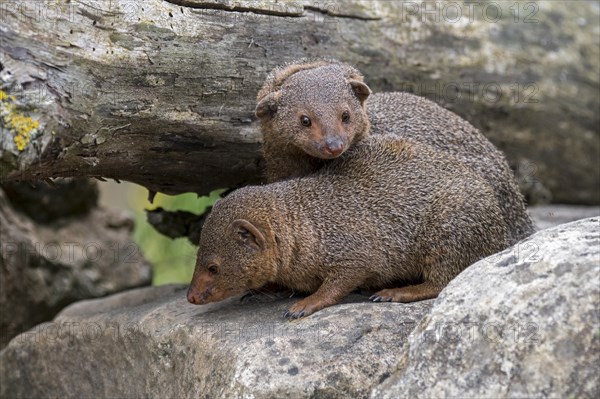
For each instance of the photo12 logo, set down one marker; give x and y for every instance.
(484, 92)
(33, 11)
(522, 252)
(453, 12)
(89, 331)
(72, 252)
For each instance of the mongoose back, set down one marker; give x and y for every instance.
(311, 112)
(384, 212)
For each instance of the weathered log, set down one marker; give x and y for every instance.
(161, 93)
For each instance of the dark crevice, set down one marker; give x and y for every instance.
(235, 8)
(349, 16)
(95, 18)
(294, 12)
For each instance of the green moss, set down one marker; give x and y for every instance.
(173, 260)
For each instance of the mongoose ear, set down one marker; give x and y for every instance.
(247, 234)
(267, 107)
(360, 89)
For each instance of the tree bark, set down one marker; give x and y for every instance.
(161, 93)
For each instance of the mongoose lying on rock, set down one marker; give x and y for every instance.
(386, 211)
(312, 112)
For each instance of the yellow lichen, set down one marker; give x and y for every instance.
(20, 125)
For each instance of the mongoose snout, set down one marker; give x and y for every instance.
(325, 138)
(205, 288)
(199, 291)
(334, 146)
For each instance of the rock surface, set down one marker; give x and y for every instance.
(546, 216)
(45, 267)
(529, 328)
(152, 343)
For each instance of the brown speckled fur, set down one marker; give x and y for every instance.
(320, 89)
(385, 211)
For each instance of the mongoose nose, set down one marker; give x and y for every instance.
(334, 146)
(192, 297)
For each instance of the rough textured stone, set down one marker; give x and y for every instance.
(529, 328)
(545, 216)
(521, 323)
(151, 343)
(44, 267)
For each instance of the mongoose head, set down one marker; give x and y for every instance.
(318, 107)
(236, 251)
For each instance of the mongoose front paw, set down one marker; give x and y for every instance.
(380, 298)
(292, 316)
(411, 293)
(303, 308)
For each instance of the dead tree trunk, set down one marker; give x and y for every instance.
(161, 93)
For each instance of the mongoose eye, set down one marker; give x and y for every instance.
(346, 117)
(305, 121)
(213, 269)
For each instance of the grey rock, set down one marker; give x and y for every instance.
(44, 203)
(151, 343)
(546, 216)
(530, 328)
(45, 267)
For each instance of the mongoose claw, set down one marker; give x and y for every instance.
(377, 298)
(293, 315)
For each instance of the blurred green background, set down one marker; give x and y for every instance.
(172, 259)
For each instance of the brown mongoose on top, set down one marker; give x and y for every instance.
(313, 111)
(386, 211)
